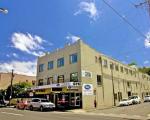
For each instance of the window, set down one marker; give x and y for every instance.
(96, 59)
(49, 80)
(130, 71)
(99, 80)
(111, 66)
(105, 63)
(117, 67)
(126, 70)
(40, 82)
(50, 65)
(60, 79)
(121, 69)
(128, 84)
(60, 62)
(74, 77)
(73, 58)
(41, 67)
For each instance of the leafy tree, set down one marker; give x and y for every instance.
(145, 70)
(132, 63)
(18, 90)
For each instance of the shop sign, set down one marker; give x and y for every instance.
(86, 74)
(87, 89)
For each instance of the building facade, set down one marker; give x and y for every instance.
(80, 76)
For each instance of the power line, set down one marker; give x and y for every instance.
(125, 20)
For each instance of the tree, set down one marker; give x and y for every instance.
(18, 90)
(132, 63)
(145, 70)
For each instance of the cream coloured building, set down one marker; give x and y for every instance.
(79, 76)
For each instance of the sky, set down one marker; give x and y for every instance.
(33, 27)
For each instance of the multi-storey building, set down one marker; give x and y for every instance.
(82, 77)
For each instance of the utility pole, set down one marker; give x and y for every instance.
(11, 87)
(145, 3)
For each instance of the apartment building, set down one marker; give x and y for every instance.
(80, 76)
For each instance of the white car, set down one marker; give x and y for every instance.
(125, 102)
(135, 99)
(147, 98)
(41, 104)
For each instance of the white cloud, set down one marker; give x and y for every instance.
(89, 8)
(15, 55)
(20, 67)
(146, 62)
(147, 41)
(72, 38)
(31, 44)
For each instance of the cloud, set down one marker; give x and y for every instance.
(72, 38)
(89, 8)
(15, 55)
(146, 62)
(31, 44)
(20, 67)
(147, 40)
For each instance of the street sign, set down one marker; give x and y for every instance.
(87, 89)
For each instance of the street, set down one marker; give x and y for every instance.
(140, 111)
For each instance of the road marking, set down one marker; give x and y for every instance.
(12, 114)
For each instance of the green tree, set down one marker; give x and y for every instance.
(18, 90)
(145, 70)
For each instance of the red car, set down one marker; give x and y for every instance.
(23, 104)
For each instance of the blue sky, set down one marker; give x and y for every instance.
(33, 27)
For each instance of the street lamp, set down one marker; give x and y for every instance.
(3, 10)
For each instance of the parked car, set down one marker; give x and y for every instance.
(125, 102)
(22, 104)
(41, 104)
(2, 103)
(147, 98)
(135, 99)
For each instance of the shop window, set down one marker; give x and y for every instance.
(40, 82)
(73, 58)
(74, 77)
(60, 62)
(41, 67)
(50, 65)
(99, 80)
(60, 79)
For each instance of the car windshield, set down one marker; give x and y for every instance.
(43, 100)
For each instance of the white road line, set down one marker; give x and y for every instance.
(12, 114)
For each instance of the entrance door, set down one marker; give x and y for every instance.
(75, 99)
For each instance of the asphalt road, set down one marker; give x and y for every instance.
(13, 114)
(139, 112)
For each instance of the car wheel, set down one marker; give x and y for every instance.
(41, 108)
(31, 108)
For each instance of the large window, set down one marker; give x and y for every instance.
(60, 79)
(60, 62)
(74, 77)
(40, 82)
(41, 67)
(49, 80)
(105, 64)
(99, 80)
(73, 58)
(50, 65)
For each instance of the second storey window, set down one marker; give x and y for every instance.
(60, 62)
(74, 77)
(73, 58)
(60, 79)
(41, 67)
(105, 64)
(40, 82)
(50, 65)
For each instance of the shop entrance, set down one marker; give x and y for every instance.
(68, 100)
